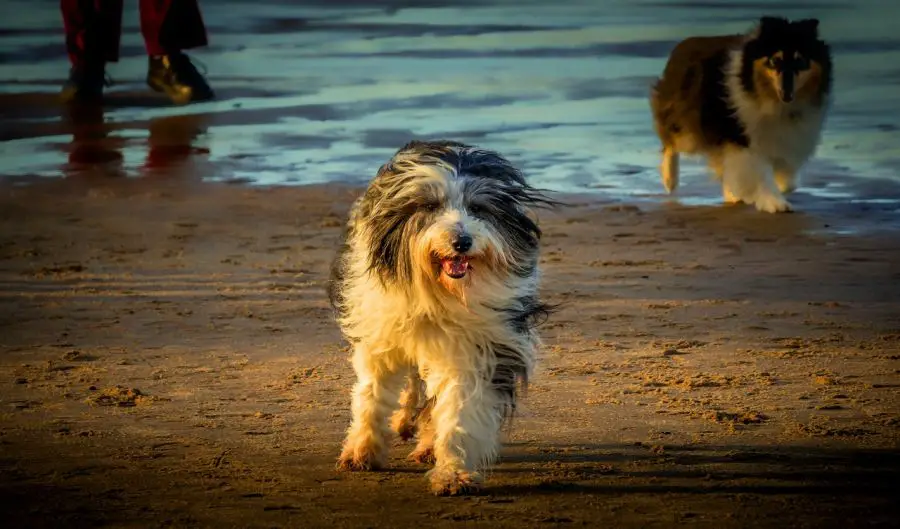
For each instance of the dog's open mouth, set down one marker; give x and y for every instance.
(455, 267)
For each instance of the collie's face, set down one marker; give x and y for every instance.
(449, 214)
(788, 75)
(789, 62)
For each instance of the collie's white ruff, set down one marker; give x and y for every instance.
(782, 139)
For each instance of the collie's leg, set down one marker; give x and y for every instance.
(404, 420)
(375, 396)
(466, 420)
(785, 179)
(716, 166)
(728, 197)
(669, 169)
(748, 177)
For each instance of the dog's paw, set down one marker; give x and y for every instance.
(421, 455)
(449, 482)
(406, 431)
(730, 198)
(404, 425)
(772, 203)
(360, 459)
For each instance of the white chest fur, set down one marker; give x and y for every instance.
(782, 133)
(787, 135)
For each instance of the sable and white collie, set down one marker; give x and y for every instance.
(753, 105)
(436, 285)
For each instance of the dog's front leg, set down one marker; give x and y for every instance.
(748, 177)
(375, 396)
(785, 178)
(424, 451)
(404, 420)
(466, 421)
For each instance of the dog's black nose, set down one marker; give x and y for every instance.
(462, 243)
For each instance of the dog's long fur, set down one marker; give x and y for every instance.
(754, 105)
(464, 342)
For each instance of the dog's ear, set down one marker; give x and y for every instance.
(769, 24)
(808, 27)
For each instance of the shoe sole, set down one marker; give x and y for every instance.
(177, 97)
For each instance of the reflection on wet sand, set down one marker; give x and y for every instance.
(171, 141)
(92, 150)
(98, 147)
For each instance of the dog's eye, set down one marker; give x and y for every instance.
(431, 207)
(801, 63)
(475, 209)
(774, 63)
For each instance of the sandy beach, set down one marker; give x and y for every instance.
(168, 359)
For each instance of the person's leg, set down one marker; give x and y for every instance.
(170, 27)
(93, 29)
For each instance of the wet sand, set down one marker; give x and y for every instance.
(168, 359)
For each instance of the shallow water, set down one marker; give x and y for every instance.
(319, 91)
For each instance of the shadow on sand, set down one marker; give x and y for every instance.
(627, 485)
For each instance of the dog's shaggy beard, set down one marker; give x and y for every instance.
(438, 278)
(424, 194)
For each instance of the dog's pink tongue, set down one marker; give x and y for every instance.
(455, 267)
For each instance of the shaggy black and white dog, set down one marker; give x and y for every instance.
(436, 286)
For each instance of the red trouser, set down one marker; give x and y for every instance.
(93, 27)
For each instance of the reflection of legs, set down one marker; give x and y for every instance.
(172, 140)
(168, 27)
(91, 150)
(93, 29)
(466, 420)
(375, 396)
